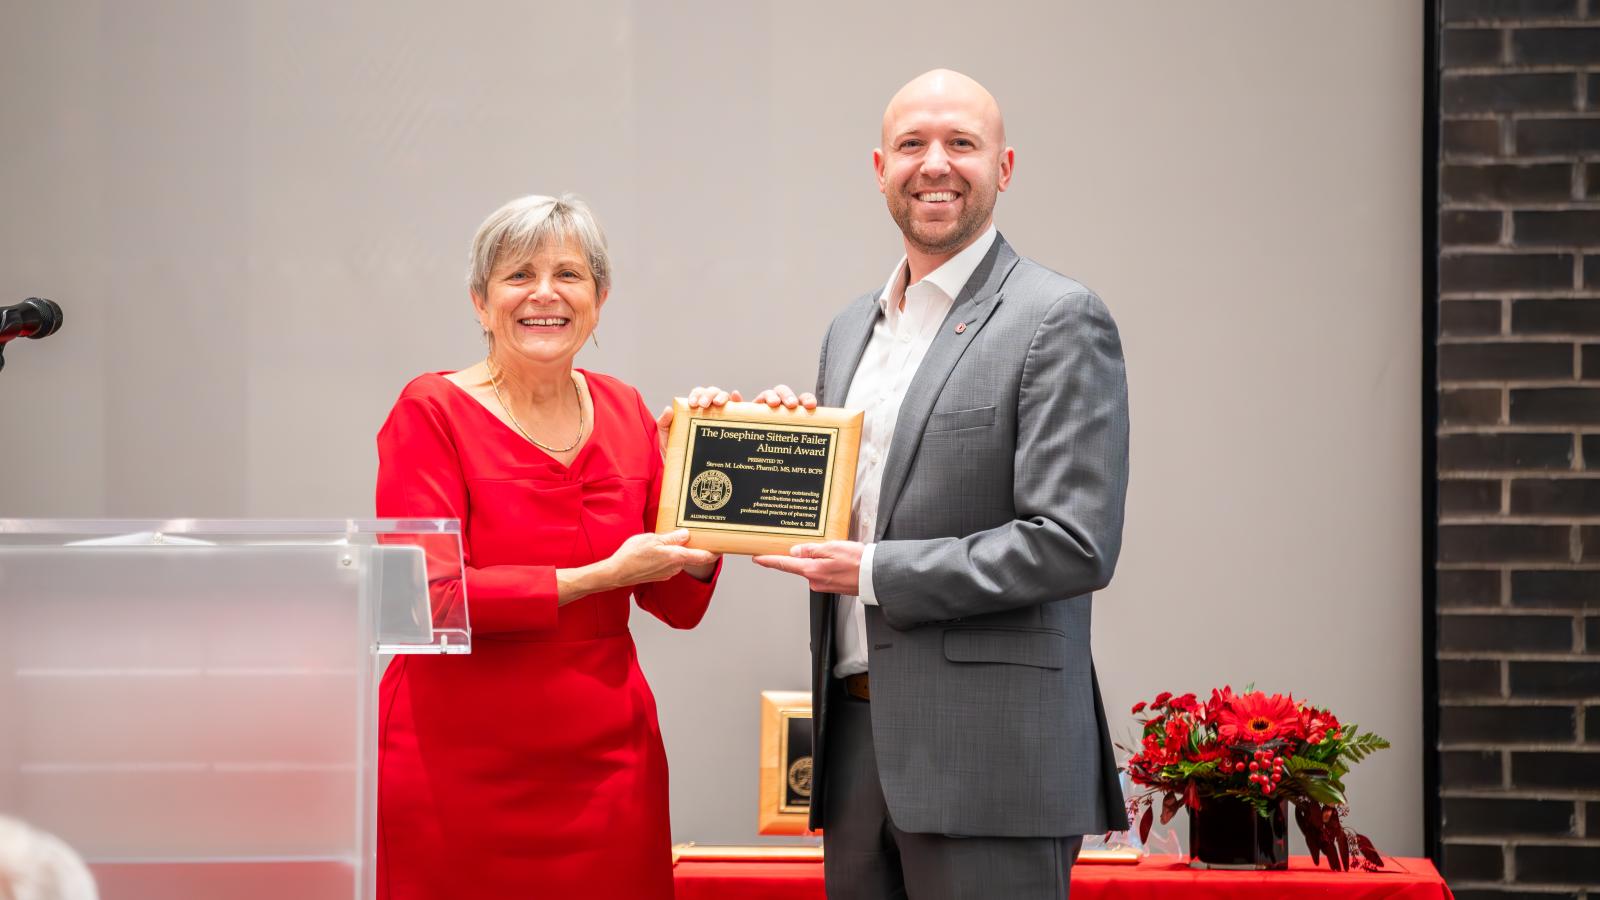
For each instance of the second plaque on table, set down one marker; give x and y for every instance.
(745, 478)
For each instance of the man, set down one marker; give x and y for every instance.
(960, 745)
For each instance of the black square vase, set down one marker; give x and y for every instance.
(1228, 833)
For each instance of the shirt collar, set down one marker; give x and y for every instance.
(949, 278)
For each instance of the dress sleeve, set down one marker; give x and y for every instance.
(419, 475)
(681, 600)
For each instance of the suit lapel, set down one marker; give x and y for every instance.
(971, 311)
(845, 349)
(847, 342)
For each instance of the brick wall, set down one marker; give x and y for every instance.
(1518, 447)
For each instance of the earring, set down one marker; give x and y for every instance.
(593, 338)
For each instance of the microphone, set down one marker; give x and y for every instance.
(33, 318)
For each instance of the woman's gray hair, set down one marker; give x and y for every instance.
(527, 223)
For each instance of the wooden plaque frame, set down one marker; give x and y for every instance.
(777, 815)
(844, 427)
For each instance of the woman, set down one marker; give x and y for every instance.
(534, 766)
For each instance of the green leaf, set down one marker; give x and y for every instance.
(1187, 769)
(1360, 746)
(1322, 790)
(1325, 793)
(1298, 764)
(1324, 751)
(1330, 770)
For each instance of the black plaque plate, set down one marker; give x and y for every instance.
(757, 478)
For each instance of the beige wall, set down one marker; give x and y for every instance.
(256, 217)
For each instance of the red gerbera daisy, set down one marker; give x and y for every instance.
(1256, 718)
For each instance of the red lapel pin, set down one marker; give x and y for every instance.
(960, 327)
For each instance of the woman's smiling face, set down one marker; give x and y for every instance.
(540, 306)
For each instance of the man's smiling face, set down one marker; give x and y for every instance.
(943, 161)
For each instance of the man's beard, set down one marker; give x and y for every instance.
(967, 225)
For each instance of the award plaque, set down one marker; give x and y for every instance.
(746, 478)
(785, 762)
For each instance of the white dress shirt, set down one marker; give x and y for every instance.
(899, 341)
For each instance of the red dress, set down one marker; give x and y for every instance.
(534, 766)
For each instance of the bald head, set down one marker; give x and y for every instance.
(950, 91)
(943, 161)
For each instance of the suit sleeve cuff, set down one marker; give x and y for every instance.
(867, 595)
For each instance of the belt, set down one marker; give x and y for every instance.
(857, 687)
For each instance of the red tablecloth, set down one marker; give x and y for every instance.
(1155, 878)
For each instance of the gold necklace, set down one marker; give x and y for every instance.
(494, 379)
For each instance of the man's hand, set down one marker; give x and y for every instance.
(831, 567)
(784, 396)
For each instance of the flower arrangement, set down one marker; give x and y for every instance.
(1262, 749)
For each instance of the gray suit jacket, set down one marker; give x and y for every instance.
(1000, 513)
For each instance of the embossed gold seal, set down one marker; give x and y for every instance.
(800, 776)
(711, 490)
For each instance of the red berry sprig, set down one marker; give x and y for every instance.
(1266, 770)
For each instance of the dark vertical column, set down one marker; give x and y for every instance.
(1516, 377)
(1430, 425)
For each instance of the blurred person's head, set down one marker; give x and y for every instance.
(39, 866)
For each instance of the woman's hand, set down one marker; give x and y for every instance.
(657, 557)
(708, 397)
(642, 558)
(784, 396)
(699, 398)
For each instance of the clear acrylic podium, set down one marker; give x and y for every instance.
(192, 705)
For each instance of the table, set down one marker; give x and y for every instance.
(1154, 878)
